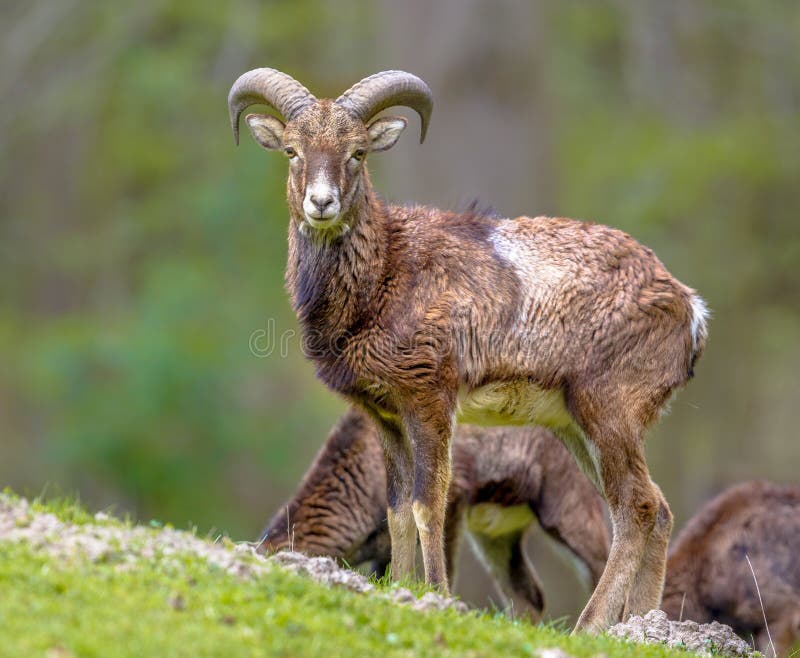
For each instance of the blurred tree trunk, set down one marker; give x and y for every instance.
(491, 131)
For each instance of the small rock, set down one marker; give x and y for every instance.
(323, 570)
(245, 547)
(403, 596)
(655, 628)
(431, 601)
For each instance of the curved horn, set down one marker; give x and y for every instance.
(267, 87)
(385, 89)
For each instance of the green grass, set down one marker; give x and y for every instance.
(181, 606)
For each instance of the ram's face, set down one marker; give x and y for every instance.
(326, 148)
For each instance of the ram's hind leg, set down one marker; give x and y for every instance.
(615, 430)
(648, 585)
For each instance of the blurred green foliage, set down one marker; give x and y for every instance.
(140, 251)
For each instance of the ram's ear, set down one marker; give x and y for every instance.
(384, 132)
(267, 130)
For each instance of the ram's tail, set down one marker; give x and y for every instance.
(699, 327)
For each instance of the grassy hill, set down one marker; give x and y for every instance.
(72, 584)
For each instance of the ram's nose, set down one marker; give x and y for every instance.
(321, 202)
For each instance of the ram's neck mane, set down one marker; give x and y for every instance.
(333, 282)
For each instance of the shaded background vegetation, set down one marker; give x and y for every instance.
(139, 250)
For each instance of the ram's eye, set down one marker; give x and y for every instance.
(359, 154)
(290, 152)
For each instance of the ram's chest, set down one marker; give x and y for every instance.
(344, 365)
(335, 372)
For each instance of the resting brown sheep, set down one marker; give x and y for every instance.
(505, 480)
(709, 578)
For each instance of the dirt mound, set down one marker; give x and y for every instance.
(108, 540)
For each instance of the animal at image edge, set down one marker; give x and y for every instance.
(422, 317)
(708, 574)
(506, 479)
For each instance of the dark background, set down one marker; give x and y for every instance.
(140, 251)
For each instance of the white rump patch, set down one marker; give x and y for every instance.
(700, 315)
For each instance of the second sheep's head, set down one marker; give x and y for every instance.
(326, 141)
